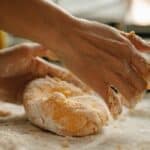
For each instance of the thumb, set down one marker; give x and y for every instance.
(35, 49)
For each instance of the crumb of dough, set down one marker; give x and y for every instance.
(4, 113)
(132, 33)
(119, 147)
(65, 143)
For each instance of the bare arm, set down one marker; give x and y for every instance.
(100, 55)
(37, 20)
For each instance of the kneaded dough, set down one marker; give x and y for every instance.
(63, 108)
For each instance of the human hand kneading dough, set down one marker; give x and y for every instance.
(101, 56)
(49, 101)
(22, 63)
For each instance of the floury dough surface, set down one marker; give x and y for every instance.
(130, 132)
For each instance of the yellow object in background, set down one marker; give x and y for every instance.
(3, 39)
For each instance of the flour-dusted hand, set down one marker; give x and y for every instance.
(100, 55)
(138, 42)
(20, 64)
(103, 58)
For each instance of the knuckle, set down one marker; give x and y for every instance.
(26, 49)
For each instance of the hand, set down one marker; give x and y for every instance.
(18, 65)
(103, 58)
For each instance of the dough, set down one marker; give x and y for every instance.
(63, 108)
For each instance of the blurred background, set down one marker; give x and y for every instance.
(125, 15)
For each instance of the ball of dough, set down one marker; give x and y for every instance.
(63, 108)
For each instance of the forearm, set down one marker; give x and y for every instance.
(37, 20)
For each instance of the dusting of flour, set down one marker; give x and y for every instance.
(130, 132)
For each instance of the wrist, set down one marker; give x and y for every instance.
(57, 29)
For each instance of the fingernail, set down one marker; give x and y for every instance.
(114, 103)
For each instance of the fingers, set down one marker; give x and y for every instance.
(43, 68)
(124, 87)
(39, 67)
(140, 62)
(137, 41)
(35, 49)
(129, 75)
(15, 60)
(114, 103)
(112, 99)
(26, 51)
(141, 66)
(129, 85)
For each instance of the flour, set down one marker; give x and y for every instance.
(131, 131)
